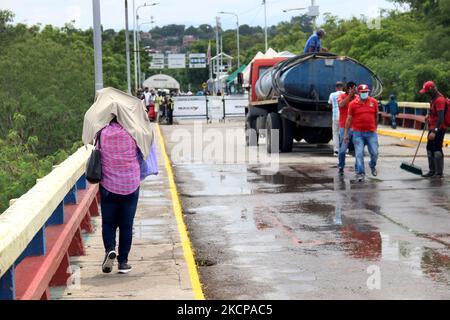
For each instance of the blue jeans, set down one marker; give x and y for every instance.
(343, 146)
(360, 140)
(118, 212)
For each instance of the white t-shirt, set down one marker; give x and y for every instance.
(333, 100)
(147, 98)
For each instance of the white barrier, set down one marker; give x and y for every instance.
(235, 106)
(209, 107)
(190, 107)
(215, 107)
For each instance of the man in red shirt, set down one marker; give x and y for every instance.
(437, 128)
(344, 101)
(362, 117)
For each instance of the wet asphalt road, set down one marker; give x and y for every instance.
(306, 233)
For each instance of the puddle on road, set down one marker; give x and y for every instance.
(436, 265)
(356, 237)
(328, 221)
(212, 181)
(297, 179)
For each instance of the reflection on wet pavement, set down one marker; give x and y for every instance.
(306, 216)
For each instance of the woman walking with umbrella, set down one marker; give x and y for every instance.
(121, 125)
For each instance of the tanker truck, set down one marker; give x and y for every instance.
(288, 97)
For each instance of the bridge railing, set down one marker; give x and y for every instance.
(411, 114)
(42, 229)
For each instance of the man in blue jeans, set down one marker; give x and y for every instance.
(344, 100)
(362, 117)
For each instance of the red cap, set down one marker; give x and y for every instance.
(363, 88)
(427, 86)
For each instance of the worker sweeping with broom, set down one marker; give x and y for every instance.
(437, 126)
(437, 122)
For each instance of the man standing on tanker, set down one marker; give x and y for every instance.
(313, 45)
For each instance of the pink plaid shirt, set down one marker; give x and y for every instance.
(120, 164)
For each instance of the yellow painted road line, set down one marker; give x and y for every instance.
(408, 136)
(185, 241)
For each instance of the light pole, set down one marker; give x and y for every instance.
(134, 47)
(98, 63)
(139, 50)
(313, 11)
(127, 45)
(218, 67)
(265, 23)
(237, 35)
(294, 9)
(135, 39)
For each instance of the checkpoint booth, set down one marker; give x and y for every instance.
(162, 82)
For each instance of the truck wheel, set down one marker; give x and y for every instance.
(251, 134)
(273, 132)
(287, 135)
(325, 135)
(317, 135)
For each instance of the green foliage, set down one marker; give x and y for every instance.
(20, 166)
(46, 86)
(46, 73)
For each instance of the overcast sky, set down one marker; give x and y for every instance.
(188, 12)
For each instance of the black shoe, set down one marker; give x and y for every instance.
(374, 172)
(124, 268)
(360, 177)
(429, 174)
(108, 263)
(341, 171)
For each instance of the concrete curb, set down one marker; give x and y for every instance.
(408, 136)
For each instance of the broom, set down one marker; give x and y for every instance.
(411, 167)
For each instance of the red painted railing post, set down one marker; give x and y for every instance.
(76, 247)
(61, 275)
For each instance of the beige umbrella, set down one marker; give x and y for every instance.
(130, 114)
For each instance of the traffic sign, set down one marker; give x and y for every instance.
(197, 60)
(177, 61)
(157, 61)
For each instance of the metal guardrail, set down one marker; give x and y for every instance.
(23, 225)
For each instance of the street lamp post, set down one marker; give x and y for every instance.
(139, 51)
(134, 48)
(237, 36)
(313, 11)
(217, 62)
(98, 64)
(127, 45)
(265, 24)
(136, 41)
(294, 9)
